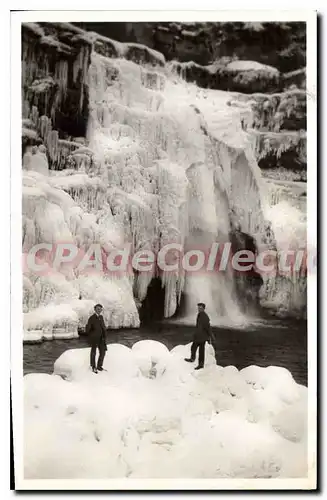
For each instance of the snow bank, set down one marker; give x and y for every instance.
(151, 415)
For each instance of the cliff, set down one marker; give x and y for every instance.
(55, 61)
(145, 158)
(263, 63)
(55, 96)
(282, 45)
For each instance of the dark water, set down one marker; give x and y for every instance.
(276, 343)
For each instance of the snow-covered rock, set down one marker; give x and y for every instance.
(251, 66)
(150, 415)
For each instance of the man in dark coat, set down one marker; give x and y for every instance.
(96, 331)
(201, 336)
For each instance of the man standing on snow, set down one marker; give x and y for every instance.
(201, 336)
(96, 331)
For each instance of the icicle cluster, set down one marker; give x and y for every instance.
(277, 143)
(62, 153)
(274, 112)
(45, 65)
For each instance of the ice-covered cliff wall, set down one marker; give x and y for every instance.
(162, 162)
(278, 44)
(55, 61)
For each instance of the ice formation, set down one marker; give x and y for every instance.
(150, 415)
(288, 290)
(165, 162)
(61, 298)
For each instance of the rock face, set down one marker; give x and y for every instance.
(55, 61)
(281, 45)
(263, 61)
(281, 150)
(272, 49)
(277, 122)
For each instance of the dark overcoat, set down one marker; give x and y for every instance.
(202, 330)
(96, 330)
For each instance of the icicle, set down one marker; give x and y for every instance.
(52, 144)
(35, 116)
(61, 76)
(45, 126)
(26, 109)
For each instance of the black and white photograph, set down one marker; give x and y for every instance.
(164, 295)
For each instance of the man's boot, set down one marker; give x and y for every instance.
(189, 360)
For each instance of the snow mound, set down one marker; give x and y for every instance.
(150, 415)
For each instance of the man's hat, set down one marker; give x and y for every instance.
(201, 304)
(98, 305)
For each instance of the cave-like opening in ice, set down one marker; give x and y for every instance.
(153, 306)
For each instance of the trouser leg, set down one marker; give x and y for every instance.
(194, 348)
(102, 353)
(92, 355)
(201, 353)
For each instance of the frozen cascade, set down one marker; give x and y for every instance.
(165, 162)
(158, 139)
(51, 301)
(208, 223)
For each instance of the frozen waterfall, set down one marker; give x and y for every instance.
(172, 153)
(164, 162)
